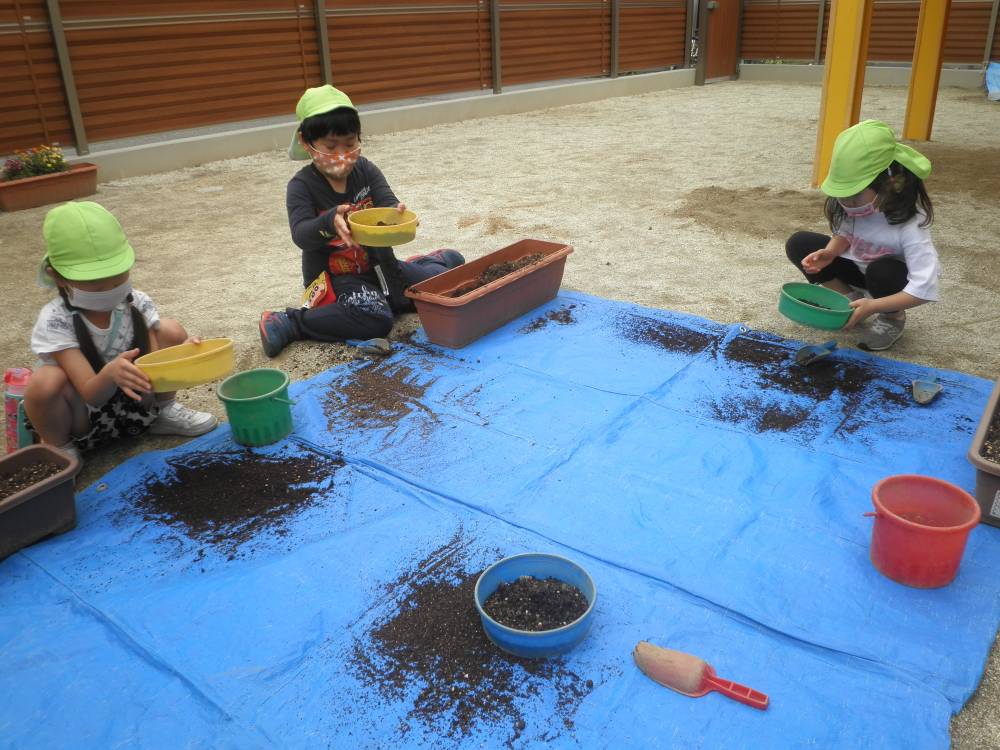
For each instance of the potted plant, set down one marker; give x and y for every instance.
(985, 456)
(41, 175)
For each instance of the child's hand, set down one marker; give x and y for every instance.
(127, 376)
(817, 261)
(401, 207)
(341, 227)
(192, 340)
(862, 309)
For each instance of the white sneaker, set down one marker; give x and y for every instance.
(71, 450)
(884, 332)
(176, 419)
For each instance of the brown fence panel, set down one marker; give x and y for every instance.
(776, 30)
(651, 35)
(33, 105)
(138, 74)
(965, 39)
(545, 41)
(398, 52)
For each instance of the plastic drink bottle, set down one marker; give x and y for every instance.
(15, 380)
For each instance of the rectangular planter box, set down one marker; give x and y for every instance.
(457, 321)
(45, 508)
(987, 472)
(30, 192)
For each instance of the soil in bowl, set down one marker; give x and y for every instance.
(536, 604)
(991, 443)
(496, 271)
(429, 651)
(26, 477)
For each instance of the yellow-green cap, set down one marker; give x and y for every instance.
(864, 150)
(316, 101)
(83, 242)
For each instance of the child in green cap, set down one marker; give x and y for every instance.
(86, 389)
(367, 283)
(881, 254)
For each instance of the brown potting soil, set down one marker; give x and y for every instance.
(497, 271)
(535, 604)
(432, 651)
(858, 384)
(378, 394)
(227, 499)
(991, 443)
(563, 316)
(25, 477)
(669, 336)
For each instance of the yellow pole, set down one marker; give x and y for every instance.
(925, 74)
(843, 77)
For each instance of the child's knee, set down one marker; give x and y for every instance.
(47, 384)
(170, 333)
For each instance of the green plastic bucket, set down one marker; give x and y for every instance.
(814, 305)
(257, 405)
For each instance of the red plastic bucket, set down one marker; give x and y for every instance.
(921, 526)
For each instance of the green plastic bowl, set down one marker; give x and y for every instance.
(814, 305)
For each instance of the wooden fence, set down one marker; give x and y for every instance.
(76, 71)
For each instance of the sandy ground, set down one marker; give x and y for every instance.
(680, 199)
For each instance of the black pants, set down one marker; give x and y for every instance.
(881, 278)
(361, 311)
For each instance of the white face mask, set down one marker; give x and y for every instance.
(857, 212)
(101, 301)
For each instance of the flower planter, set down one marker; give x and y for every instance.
(456, 321)
(46, 507)
(29, 192)
(987, 472)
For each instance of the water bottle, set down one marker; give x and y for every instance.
(15, 380)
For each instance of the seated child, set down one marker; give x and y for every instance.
(86, 390)
(367, 283)
(881, 254)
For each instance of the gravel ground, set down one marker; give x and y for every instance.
(679, 199)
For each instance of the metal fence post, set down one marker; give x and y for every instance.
(495, 61)
(615, 32)
(66, 72)
(818, 53)
(689, 31)
(701, 67)
(323, 40)
(991, 34)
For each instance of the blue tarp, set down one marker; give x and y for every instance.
(993, 81)
(715, 495)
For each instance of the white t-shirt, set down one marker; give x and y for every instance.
(53, 331)
(873, 237)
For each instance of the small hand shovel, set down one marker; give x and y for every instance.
(813, 352)
(689, 675)
(924, 391)
(381, 347)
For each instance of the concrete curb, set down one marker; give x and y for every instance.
(875, 75)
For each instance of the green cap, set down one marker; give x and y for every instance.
(316, 101)
(864, 150)
(83, 242)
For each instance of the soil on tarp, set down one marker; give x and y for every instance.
(431, 652)
(863, 391)
(535, 604)
(497, 271)
(991, 443)
(563, 317)
(377, 395)
(26, 477)
(227, 499)
(669, 336)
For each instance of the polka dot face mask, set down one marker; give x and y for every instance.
(336, 165)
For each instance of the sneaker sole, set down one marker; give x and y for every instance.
(193, 432)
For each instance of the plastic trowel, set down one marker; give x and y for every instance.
(924, 391)
(689, 675)
(813, 352)
(381, 347)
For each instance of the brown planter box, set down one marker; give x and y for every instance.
(30, 192)
(47, 507)
(987, 472)
(457, 321)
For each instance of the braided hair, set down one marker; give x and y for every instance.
(140, 332)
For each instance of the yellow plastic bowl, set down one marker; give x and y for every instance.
(382, 227)
(188, 365)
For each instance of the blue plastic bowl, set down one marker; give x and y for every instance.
(542, 643)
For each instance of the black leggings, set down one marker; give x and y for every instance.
(881, 278)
